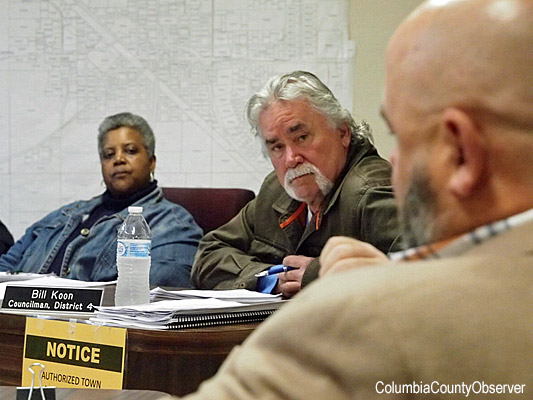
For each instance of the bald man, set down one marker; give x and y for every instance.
(457, 322)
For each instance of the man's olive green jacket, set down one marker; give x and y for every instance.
(360, 205)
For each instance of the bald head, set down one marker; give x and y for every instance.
(459, 96)
(471, 53)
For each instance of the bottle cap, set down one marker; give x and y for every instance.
(135, 210)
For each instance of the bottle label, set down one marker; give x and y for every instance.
(133, 248)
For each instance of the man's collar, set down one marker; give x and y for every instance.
(360, 147)
(460, 244)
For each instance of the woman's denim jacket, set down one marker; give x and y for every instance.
(92, 257)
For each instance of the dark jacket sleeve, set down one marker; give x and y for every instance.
(223, 260)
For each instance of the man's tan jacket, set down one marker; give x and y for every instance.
(453, 324)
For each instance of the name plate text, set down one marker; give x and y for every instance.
(47, 299)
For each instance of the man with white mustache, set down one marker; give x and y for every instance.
(328, 180)
(323, 183)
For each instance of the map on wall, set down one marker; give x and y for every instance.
(187, 66)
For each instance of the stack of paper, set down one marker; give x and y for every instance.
(240, 295)
(196, 308)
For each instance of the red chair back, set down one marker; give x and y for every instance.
(210, 207)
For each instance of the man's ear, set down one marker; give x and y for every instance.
(346, 134)
(470, 161)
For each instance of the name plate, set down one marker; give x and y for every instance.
(54, 300)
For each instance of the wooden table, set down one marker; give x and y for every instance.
(174, 362)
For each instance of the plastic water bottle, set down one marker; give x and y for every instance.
(133, 260)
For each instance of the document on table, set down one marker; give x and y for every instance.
(191, 309)
(240, 295)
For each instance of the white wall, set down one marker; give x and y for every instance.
(372, 22)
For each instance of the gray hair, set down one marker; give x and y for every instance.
(131, 121)
(304, 85)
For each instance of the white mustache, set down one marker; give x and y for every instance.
(324, 184)
(300, 170)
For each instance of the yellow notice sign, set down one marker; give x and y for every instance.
(75, 355)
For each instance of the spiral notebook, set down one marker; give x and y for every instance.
(186, 313)
(220, 318)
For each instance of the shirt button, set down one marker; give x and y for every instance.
(84, 232)
(242, 285)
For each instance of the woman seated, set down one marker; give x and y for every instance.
(79, 240)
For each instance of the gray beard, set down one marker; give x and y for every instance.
(417, 215)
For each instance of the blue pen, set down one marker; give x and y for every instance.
(276, 269)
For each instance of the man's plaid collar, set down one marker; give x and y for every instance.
(459, 244)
